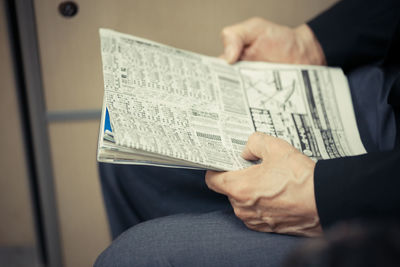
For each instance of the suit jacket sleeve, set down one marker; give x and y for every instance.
(357, 32)
(354, 33)
(365, 186)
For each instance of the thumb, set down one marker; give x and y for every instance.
(239, 36)
(256, 147)
(233, 45)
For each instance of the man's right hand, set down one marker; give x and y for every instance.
(261, 40)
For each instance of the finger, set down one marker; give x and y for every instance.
(217, 181)
(233, 44)
(259, 227)
(249, 54)
(256, 146)
(261, 145)
(245, 214)
(253, 223)
(235, 38)
(226, 183)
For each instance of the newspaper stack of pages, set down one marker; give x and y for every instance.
(168, 107)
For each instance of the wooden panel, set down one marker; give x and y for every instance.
(70, 46)
(16, 227)
(84, 229)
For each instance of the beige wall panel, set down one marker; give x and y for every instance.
(70, 51)
(16, 221)
(84, 230)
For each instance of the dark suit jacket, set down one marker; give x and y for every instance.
(354, 33)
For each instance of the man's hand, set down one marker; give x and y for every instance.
(261, 40)
(276, 195)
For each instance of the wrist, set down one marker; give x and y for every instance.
(309, 46)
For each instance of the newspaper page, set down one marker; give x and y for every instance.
(309, 107)
(171, 107)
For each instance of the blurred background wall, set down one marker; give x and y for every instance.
(17, 234)
(70, 60)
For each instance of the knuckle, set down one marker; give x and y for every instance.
(292, 155)
(255, 136)
(251, 226)
(238, 212)
(241, 195)
(216, 182)
(235, 193)
(251, 137)
(253, 222)
(226, 31)
(256, 19)
(266, 138)
(260, 135)
(271, 222)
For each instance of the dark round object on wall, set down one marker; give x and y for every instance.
(68, 9)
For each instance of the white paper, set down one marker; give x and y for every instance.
(171, 107)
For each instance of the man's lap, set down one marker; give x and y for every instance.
(210, 239)
(134, 194)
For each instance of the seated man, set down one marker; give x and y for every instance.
(287, 195)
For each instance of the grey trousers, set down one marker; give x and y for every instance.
(171, 218)
(211, 239)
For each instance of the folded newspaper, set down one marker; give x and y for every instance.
(168, 107)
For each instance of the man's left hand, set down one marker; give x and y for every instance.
(276, 195)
